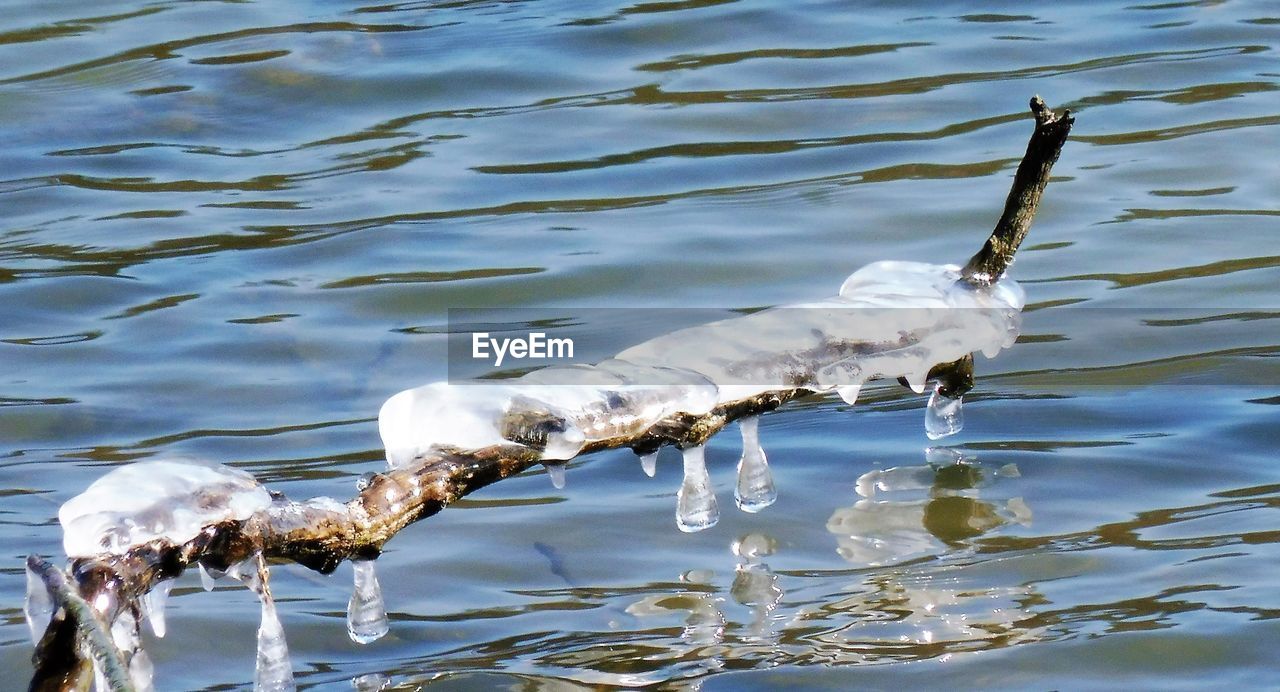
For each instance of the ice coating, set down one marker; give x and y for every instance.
(891, 319)
(755, 489)
(149, 500)
(696, 507)
(366, 613)
(557, 409)
(467, 416)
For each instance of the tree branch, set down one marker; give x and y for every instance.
(321, 533)
(1020, 206)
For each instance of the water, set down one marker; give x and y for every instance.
(230, 231)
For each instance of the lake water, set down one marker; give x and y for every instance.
(232, 230)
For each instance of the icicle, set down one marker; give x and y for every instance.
(127, 636)
(556, 472)
(366, 613)
(944, 416)
(755, 489)
(274, 672)
(696, 507)
(153, 603)
(849, 393)
(206, 577)
(916, 379)
(649, 463)
(38, 607)
(990, 351)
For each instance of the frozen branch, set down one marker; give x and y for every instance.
(321, 533)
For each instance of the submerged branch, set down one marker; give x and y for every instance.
(321, 533)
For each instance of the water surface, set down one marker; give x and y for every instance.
(231, 230)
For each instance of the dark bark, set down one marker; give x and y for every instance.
(1029, 182)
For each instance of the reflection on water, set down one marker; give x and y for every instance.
(886, 531)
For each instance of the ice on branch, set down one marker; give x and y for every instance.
(134, 529)
(150, 500)
(891, 319)
(557, 410)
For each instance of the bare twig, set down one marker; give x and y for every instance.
(1024, 197)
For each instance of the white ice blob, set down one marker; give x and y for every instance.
(944, 415)
(38, 607)
(149, 500)
(274, 672)
(469, 416)
(755, 489)
(696, 507)
(366, 613)
(153, 604)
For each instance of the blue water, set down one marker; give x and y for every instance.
(231, 230)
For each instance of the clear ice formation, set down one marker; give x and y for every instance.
(127, 637)
(890, 319)
(149, 500)
(557, 473)
(649, 463)
(755, 489)
(558, 409)
(944, 415)
(696, 507)
(366, 613)
(273, 673)
(153, 604)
